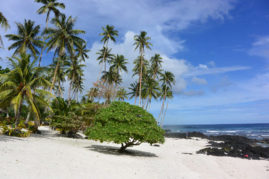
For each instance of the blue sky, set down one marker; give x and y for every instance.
(218, 50)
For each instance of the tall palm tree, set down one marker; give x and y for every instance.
(122, 94)
(4, 24)
(168, 80)
(63, 38)
(27, 38)
(109, 33)
(137, 69)
(119, 63)
(105, 56)
(48, 7)
(141, 42)
(23, 84)
(156, 65)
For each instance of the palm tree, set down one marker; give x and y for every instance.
(75, 76)
(137, 69)
(63, 38)
(141, 42)
(4, 24)
(119, 63)
(23, 84)
(133, 90)
(156, 65)
(48, 7)
(167, 79)
(169, 95)
(82, 51)
(26, 39)
(105, 56)
(121, 94)
(93, 93)
(109, 33)
(61, 73)
(152, 89)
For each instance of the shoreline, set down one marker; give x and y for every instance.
(50, 156)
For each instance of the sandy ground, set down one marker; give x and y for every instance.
(48, 156)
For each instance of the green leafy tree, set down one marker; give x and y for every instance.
(27, 38)
(125, 124)
(141, 42)
(4, 24)
(23, 84)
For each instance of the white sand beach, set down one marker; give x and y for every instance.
(50, 156)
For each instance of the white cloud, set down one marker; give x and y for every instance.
(260, 47)
(199, 81)
(158, 18)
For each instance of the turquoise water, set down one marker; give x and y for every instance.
(255, 131)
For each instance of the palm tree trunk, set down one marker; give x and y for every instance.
(136, 93)
(164, 113)
(18, 115)
(162, 108)
(54, 76)
(40, 57)
(140, 76)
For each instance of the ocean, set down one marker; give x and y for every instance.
(253, 131)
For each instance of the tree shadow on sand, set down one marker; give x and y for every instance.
(115, 151)
(5, 138)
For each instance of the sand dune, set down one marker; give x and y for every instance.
(51, 156)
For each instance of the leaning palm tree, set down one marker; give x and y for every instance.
(48, 7)
(63, 39)
(105, 56)
(25, 83)
(61, 73)
(141, 42)
(168, 80)
(109, 33)
(121, 94)
(169, 95)
(4, 24)
(27, 38)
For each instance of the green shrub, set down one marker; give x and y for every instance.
(125, 124)
(70, 118)
(17, 132)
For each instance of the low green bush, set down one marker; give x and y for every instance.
(125, 124)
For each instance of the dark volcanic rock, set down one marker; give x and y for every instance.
(230, 145)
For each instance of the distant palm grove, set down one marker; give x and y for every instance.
(32, 94)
